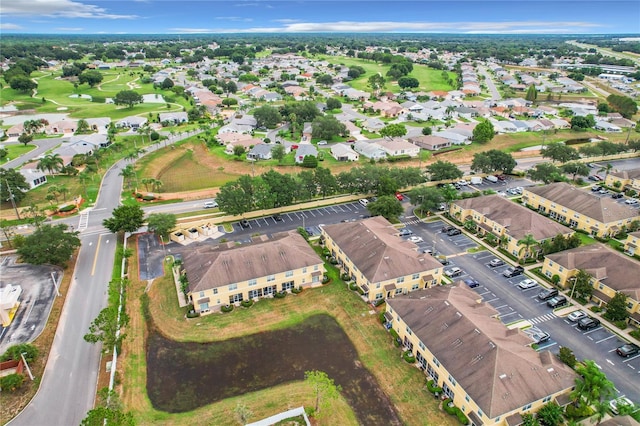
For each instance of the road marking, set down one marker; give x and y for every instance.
(606, 338)
(610, 362)
(504, 315)
(597, 365)
(84, 221)
(632, 358)
(492, 300)
(500, 307)
(95, 258)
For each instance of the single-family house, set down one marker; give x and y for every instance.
(133, 122)
(66, 127)
(605, 126)
(15, 131)
(508, 222)
(173, 118)
(261, 151)
(611, 272)
(99, 124)
(228, 274)
(246, 143)
(370, 150)
(398, 146)
(305, 149)
(373, 124)
(488, 370)
(454, 138)
(343, 152)
(379, 261)
(430, 142)
(32, 175)
(579, 209)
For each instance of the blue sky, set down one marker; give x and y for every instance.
(281, 16)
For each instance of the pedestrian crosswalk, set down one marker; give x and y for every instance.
(411, 222)
(84, 221)
(543, 318)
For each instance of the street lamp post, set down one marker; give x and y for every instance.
(26, 365)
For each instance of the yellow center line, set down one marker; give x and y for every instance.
(95, 259)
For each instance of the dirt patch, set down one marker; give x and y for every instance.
(184, 376)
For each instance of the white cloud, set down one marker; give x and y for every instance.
(234, 18)
(69, 29)
(8, 26)
(57, 9)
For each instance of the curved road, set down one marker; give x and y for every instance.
(70, 378)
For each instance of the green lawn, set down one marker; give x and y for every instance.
(14, 151)
(429, 78)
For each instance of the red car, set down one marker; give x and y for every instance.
(399, 196)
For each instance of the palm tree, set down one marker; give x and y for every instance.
(157, 184)
(591, 386)
(528, 241)
(146, 182)
(51, 162)
(84, 177)
(128, 173)
(53, 190)
(63, 190)
(606, 169)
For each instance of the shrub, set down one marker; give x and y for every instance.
(325, 278)
(280, 295)
(578, 412)
(191, 313)
(382, 318)
(346, 277)
(148, 198)
(13, 352)
(226, 308)
(621, 324)
(635, 333)
(296, 290)
(378, 302)
(596, 309)
(154, 136)
(353, 287)
(247, 303)
(454, 411)
(67, 208)
(408, 357)
(98, 99)
(396, 337)
(433, 388)
(12, 382)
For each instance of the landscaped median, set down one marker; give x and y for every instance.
(373, 352)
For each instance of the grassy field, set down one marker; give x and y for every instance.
(429, 78)
(16, 150)
(404, 384)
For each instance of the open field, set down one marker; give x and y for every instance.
(429, 78)
(404, 384)
(16, 150)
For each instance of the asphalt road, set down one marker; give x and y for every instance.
(68, 386)
(495, 94)
(43, 145)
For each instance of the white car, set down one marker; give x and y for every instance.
(415, 239)
(631, 201)
(576, 316)
(528, 283)
(463, 182)
(210, 205)
(322, 143)
(453, 272)
(615, 403)
(363, 201)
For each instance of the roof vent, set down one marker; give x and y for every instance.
(476, 330)
(446, 303)
(493, 346)
(550, 370)
(429, 309)
(503, 376)
(459, 314)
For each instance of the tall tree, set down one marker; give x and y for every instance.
(545, 172)
(527, 242)
(443, 170)
(532, 93)
(616, 309)
(278, 151)
(49, 244)
(13, 184)
(428, 199)
(161, 223)
(483, 132)
(125, 219)
(327, 127)
(103, 328)
(386, 206)
(91, 77)
(575, 168)
(128, 97)
(267, 116)
(393, 130)
(25, 138)
(591, 385)
(324, 388)
(559, 152)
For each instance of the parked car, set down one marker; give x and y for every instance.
(447, 228)
(363, 201)
(540, 337)
(322, 142)
(210, 205)
(496, 262)
(442, 259)
(615, 403)
(557, 301)
(576, 316)
(491, 179)
(404, 232)
(472, 283)
(463, 182)
(244, 223)
(547, 294)
(527, 283)
(454, 231)
(588, 323)
(595, 188)
(603, 191)
(415, 239)
(277, 217)
(628, 349)
(513, 271)
(631, 201)
(427, 251)
(502, 178)
(442, 207)
(399, 196)
(617, 195)
(453, 272)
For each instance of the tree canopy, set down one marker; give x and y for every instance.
(626, 106)
(128, 97)
(13, 183)
(327, 127)
(91, 77)
(493, 161)
(267, 116)
(559, 152)
(393, 130)
(125, 219)
(387, 206)
(49, 244)
(161, 223)
(483, 132)
(443, 170)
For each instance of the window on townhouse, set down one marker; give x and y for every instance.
(452, 380)
(399, 280)
(560, 269)
(436, 362)
(315, 267)
(271, 278)
(235, 298)
(415, 276)
(526, 407)
(253, 282)
(573, 223)
(215, 291)
(422, 346)
(288, 274)
(304, 270)
(202, 294)
(378, 296)
(233, 287)
(415, 287)
(377, 285)
(408, 330)
(398, 291)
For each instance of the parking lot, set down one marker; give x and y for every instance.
(36, 300)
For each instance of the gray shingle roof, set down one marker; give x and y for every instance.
(493, 364)
(377, 251)
(603, 209)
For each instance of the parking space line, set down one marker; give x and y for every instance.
(632, 358)
(504, 315)
(606, 338)
(488, 291)
(492, 300)
(591, 331)
(500, 307)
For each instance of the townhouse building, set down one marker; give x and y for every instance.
(228, 274)
(508, 221)
(626, 178)
(378, 260)
(631, 243)
(610, 270)
(489, 371)
(598, 216)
